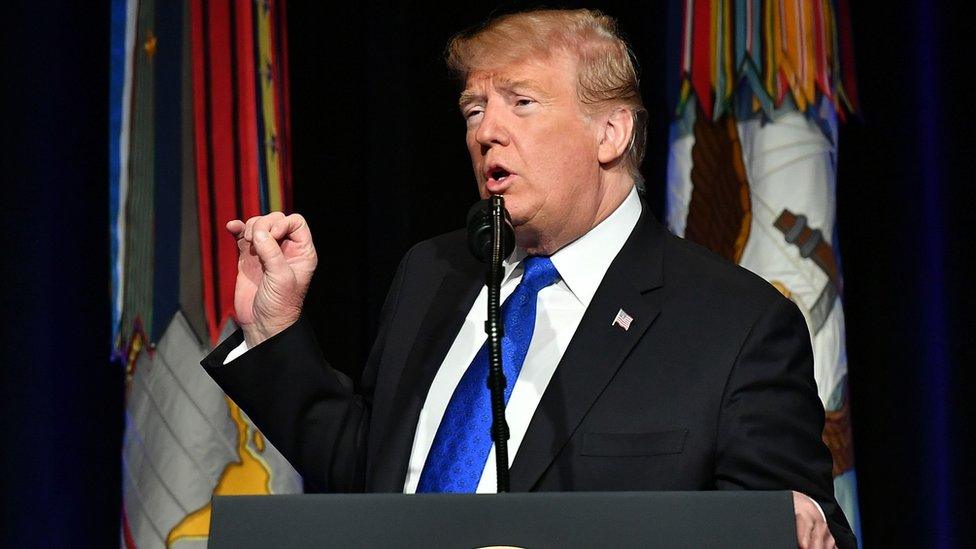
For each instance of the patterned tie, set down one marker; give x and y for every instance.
(460, 449)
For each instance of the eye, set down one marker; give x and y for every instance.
(473, 112)
(523, 102)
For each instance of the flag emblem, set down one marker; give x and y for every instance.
(622, 319)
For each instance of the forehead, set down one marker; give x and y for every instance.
(553, 75)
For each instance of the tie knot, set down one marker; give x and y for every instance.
(539, 272)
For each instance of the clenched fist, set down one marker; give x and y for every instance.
(277, 259)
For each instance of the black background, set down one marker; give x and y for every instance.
(379, 164)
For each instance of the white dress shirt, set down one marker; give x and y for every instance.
(581, 265)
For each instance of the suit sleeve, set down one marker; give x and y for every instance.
(772, 420)
(307, 409)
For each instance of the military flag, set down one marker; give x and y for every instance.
(753, 162)
(199, 135)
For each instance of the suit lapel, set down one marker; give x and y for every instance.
(449, 306)
(596, 351)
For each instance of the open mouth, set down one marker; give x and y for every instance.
(498, 174)
(497, 177)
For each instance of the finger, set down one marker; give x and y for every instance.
(235, 227)
(249, 228)
(804, 532)
(293, 227)
(269, 252)
(820, 537)
(816, 539)
(265, 222)
(812, 540)
(243, 246)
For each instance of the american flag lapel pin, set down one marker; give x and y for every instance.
(622, 319)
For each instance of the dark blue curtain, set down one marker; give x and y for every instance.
(61, 401)
(396, 172)
(907, 244)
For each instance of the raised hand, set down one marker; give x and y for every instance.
(277, 259)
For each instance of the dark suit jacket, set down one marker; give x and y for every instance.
(711, 387)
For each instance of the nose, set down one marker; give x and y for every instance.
(492, 129)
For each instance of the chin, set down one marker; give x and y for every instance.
(528, 238)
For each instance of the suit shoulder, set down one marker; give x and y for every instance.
(438, 254)
(452, 243)
(448, 247)
(716, 280)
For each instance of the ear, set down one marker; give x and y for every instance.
(617, 132)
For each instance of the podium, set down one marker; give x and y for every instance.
(727, 519)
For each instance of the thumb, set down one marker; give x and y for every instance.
(269, 253)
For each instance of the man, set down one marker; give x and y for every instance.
(636, 360)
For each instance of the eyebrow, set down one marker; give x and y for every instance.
(469, 96)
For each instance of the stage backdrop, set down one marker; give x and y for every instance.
(379, 163)
(199, 135)
(760, 89)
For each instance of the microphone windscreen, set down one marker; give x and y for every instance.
(479, 231)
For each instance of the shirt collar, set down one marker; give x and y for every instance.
(583, 262)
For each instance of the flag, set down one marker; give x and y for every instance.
(752, 167)
(622, 319)
(199, 135)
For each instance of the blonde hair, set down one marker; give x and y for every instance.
(606, 72)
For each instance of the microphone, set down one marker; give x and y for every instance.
(480, 230)
(491, 239)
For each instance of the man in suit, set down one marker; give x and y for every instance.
(635, 360)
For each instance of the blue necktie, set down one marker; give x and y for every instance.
(460, 449)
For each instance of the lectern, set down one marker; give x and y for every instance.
(532, 520)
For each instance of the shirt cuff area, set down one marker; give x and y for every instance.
(242, 348)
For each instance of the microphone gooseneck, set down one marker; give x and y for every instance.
(491, 239)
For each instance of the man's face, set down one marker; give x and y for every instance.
(530, 141)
